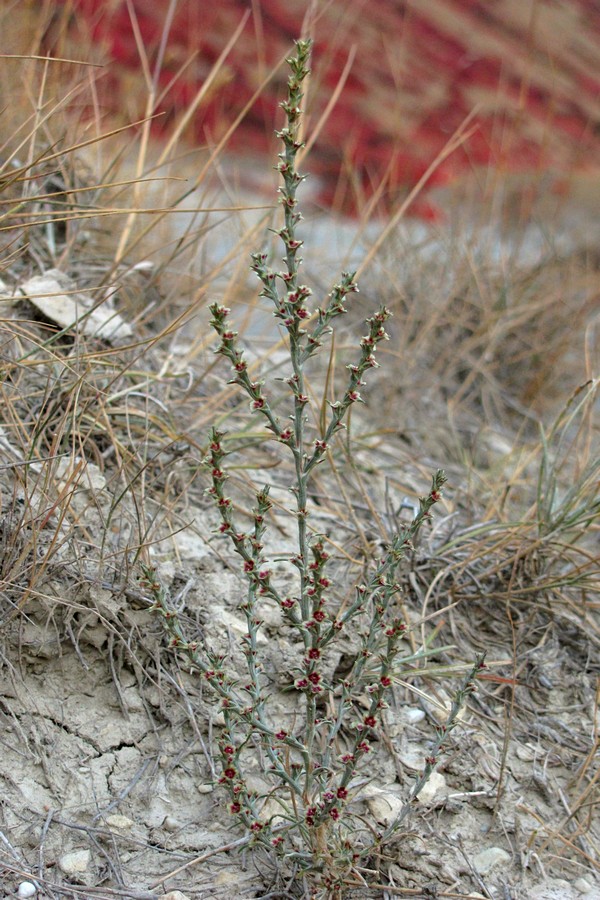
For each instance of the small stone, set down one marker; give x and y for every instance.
(6, 295)
(26, 889)
(440, 708)
(72, 309)
(173, 895)
(583, 886)
(223, 879)
(553, 889)
(272, 812)
(526, 752)
(435, 789)
(489, 858)
(190, 545)
(413, 715)
(120, 823)
(384, 805)
(412, 757)
(236, 624)
(88, 477)
(205, 788)
(76, 862)
(171, 824)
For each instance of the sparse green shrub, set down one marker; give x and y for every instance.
(306, 816)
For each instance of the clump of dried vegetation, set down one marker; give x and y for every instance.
(108, 390)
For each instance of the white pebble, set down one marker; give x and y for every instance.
(384, 806)
(26, 889)
(119, 822)
(489, 858)
(171, 824)
(434, 790)
(204, 788)
(583, 886)
(76, 862)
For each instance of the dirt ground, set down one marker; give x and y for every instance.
(108, 769)
(109, 781)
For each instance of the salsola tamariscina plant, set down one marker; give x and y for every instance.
(312, 770)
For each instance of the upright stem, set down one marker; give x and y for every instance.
(292, 306)
(318, 783)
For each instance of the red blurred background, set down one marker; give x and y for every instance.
(409, 74)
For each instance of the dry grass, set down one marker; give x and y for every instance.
(492, 373)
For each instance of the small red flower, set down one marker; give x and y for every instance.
(314, 677)
(229, 772)
(281, 735)
(386, 680)
(313, 653)
(234, 808)
(342, 793)
(371, 721)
